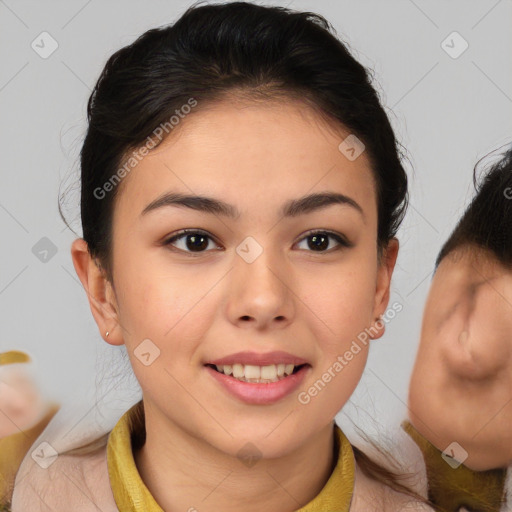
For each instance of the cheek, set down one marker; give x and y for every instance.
(162, 309)
(343, 306)
(343, 298)
(151, 297)
(172, 309)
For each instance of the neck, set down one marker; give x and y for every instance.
(183, 472)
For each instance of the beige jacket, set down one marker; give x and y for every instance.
(81, 484)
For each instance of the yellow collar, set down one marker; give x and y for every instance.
(13, 356)
(451, 489)
(131, 494)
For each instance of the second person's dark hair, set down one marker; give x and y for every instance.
(487, 221)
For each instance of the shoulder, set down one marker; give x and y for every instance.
(70, 482)
(14, 447)
(372, 496)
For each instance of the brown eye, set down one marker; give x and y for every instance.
(194, 241)
(318, 241)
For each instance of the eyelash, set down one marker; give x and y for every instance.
(181, 234)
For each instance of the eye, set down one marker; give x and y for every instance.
(197, 241)
(320, 240)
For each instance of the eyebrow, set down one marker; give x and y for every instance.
(292, 208)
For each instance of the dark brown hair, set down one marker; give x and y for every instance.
(487, 221)
(235, 48)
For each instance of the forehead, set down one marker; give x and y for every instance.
(251, 153)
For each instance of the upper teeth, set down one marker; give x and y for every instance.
(249, 371)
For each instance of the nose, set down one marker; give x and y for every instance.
(260, 292)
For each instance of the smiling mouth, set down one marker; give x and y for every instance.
(258, 374)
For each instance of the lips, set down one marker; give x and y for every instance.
(252, 373)
(259, 393)
(255, 359)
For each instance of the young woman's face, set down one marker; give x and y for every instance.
(255, 282)
(465, 359)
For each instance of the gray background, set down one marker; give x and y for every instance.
(448, 112)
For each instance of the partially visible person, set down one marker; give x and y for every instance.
(460, 396)
(24, 414)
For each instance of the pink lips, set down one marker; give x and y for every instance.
(260, 393)
(259, 359)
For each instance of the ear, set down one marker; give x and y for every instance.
(382, 292)
(100, 292)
